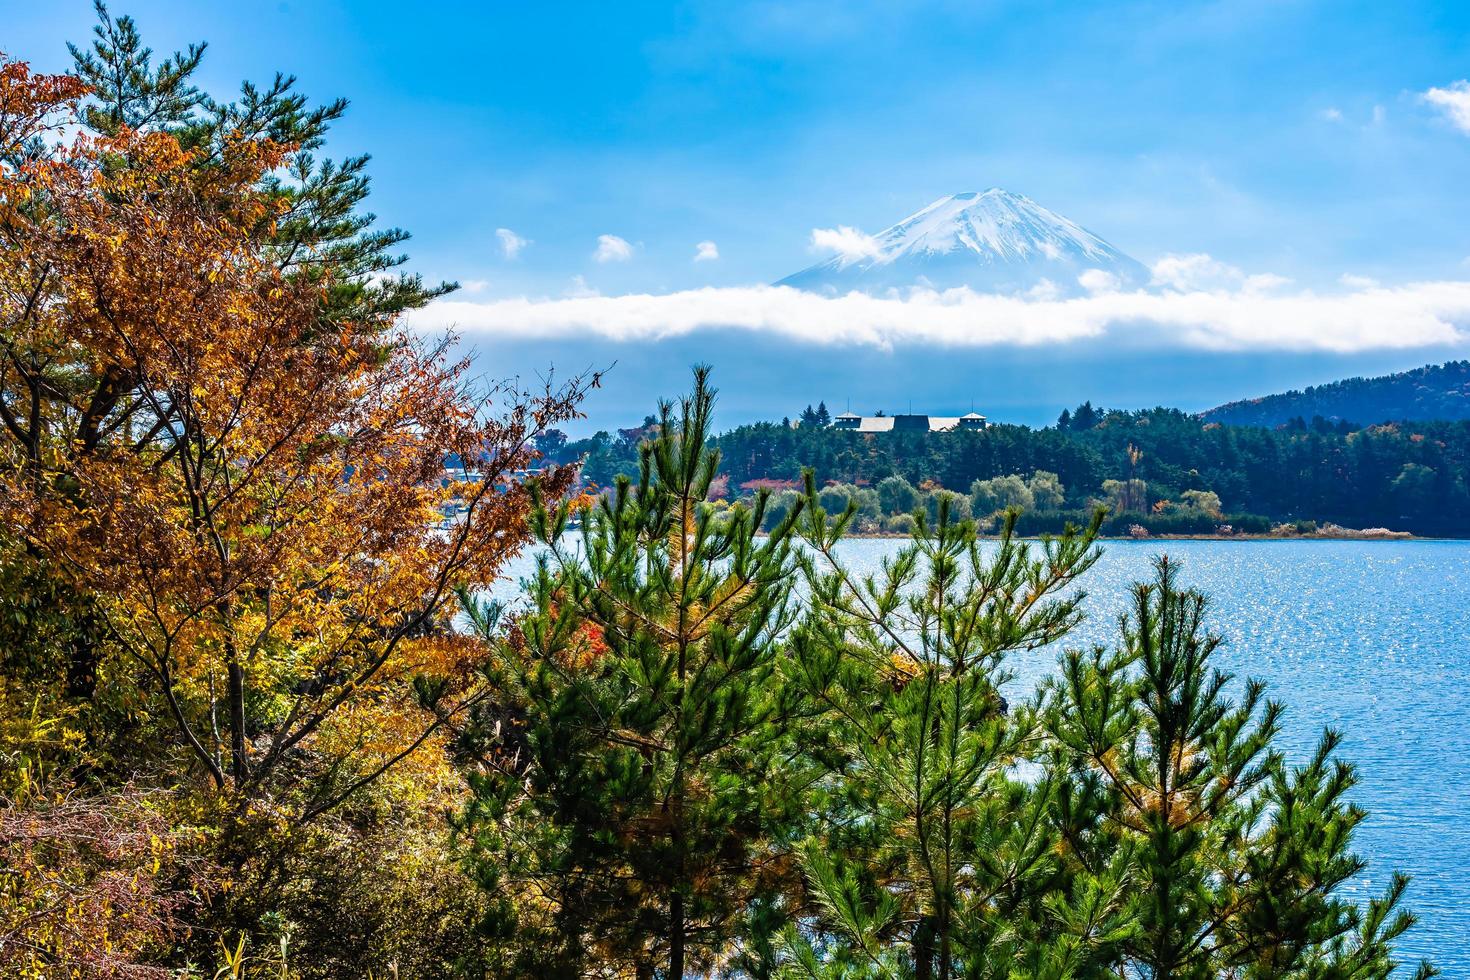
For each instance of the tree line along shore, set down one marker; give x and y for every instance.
(1160, 471)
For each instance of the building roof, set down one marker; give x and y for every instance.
(853, 422)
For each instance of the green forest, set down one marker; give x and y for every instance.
(260, 721)
(1160, 469)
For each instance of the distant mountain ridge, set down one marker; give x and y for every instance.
(994, 241)
(1433, 392)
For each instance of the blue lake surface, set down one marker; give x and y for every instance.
(1369, 638)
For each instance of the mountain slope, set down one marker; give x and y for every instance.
(991, 242)
(1432, 392)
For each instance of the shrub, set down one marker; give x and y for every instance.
(899, 524)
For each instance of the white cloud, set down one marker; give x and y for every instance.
(474, 285)
(1454, 101)
(1357, 282)
(1186, 273)
(1199, 272)
(1331, 114)
(611, 248)
(1379, 114)
(1098, 281)
(849, 243)
(511, 244)
(706, 252)
(1044, 289)
(1411, 316)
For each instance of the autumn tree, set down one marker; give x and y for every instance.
(634, 774)
(243, 478)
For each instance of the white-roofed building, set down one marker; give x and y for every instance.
(908, 423)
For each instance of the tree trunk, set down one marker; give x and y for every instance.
(238, 766)
(924, 949)
(676, 936)
(81, 658)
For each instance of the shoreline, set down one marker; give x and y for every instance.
(1397, 536)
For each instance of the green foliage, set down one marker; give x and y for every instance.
(930, 857)
(897, 496)
(988, 497)
(640, 781)
(325, 231)
(1344, 475)
(955, 504)
(1047, 490)
(1204, 501)
(900, 524)
(1235, 858)
(1125, 496)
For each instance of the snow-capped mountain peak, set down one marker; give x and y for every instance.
(1008, 226)
(992, 241)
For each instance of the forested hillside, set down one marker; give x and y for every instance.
(1405, 476)
(1435, 391)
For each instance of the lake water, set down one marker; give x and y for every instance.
(1370, 638)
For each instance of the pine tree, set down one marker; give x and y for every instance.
(637, 734)
(824, 417)
(1235, 858)
(1064, 421)
(809, 418)
(325, 233)
(931, 855)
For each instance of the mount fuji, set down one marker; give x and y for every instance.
(993, 242)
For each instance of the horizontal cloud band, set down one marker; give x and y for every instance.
(1414, 315)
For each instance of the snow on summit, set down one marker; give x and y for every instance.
(994, 241)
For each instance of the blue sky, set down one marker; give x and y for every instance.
(1292, 139)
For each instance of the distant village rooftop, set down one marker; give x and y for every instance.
(908, 423)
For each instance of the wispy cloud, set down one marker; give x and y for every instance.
(1199, 272)
(847, 242)
(578, 289)
(1357, 282)
(1244, 318)
(1454, 101)
(706, 251)
(1331, 114)
(474, 285)
(511, 244)
(611, 248)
